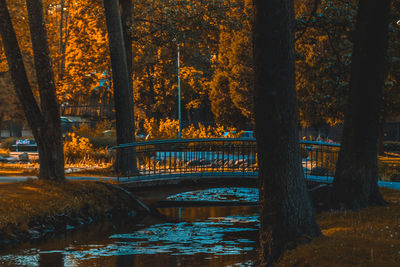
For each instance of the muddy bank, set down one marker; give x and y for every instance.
(36, 209)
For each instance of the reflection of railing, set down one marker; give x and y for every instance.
(220, 156)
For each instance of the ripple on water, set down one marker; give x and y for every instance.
(209, 238)
(214, 194)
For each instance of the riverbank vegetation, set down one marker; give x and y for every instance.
(370, 237)
(33, 208)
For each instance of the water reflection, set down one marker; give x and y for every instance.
(213, 194)
(204, 236)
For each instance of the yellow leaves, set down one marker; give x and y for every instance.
(194, 104)
(164, 129)
(76, 147)
(168, 129)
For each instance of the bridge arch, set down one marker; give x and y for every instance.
(153, 190)
(169, 167)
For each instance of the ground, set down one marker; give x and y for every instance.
(370, 237)
(32, 208)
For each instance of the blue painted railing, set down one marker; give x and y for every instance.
(220, 156)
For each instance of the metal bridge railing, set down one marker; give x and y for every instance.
(220, 156)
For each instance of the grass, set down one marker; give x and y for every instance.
(370, 237)
(19, 169)
(32, 169)
(34, 204)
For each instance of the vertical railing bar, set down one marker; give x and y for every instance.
(222, 158)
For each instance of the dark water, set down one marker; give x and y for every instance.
(206, 236)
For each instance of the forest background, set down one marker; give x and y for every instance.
(215, 43)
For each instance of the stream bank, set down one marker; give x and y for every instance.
(35, 209)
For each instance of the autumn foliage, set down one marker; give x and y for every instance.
(216, 59)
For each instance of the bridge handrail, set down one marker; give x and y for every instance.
(193, 140)
(174, 157)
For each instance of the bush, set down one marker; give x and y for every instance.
(168, 129)
(99, 141)
(164, 129)
(76, 148)
(8, 142)
(4, 152)
(85, 130)
(202, 132)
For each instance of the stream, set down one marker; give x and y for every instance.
(201, 236)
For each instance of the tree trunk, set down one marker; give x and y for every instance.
(126, 158)
(1, 121)
(287, 216)
(63, 40)
(381, 135)
(45, 121)
(355, 184)
(126, 20)
(49, 139)
(60, 43)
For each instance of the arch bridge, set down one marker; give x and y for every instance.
(168, 167)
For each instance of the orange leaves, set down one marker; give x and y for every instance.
(76, 147)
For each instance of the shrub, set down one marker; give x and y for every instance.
(8, 142)
(100, 141)
(76, 148)
(168, 129)
(85, 130)
(202, 132)
(4, 152)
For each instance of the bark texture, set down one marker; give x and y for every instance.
(44, 120)
(126, 160)
(287, 216)
(49, 139)
(355, 184)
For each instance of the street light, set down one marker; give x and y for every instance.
(179, 96)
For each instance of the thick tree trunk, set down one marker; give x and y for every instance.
(126, 159)
(45, 121)
(126, 20)
(356, 177)
(287, 216)
(381, 135)
(49, 139)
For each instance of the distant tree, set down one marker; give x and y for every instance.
(356, 179)
(287, 216)
(221, 103)
(10, 109)
(232, 105)
(323, 57)
(44, 120)
(391, 91)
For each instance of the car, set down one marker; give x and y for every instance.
(246, 134)
(28, 145)
(65, 120)
(241, 134)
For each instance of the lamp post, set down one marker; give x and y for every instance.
(179, 97)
